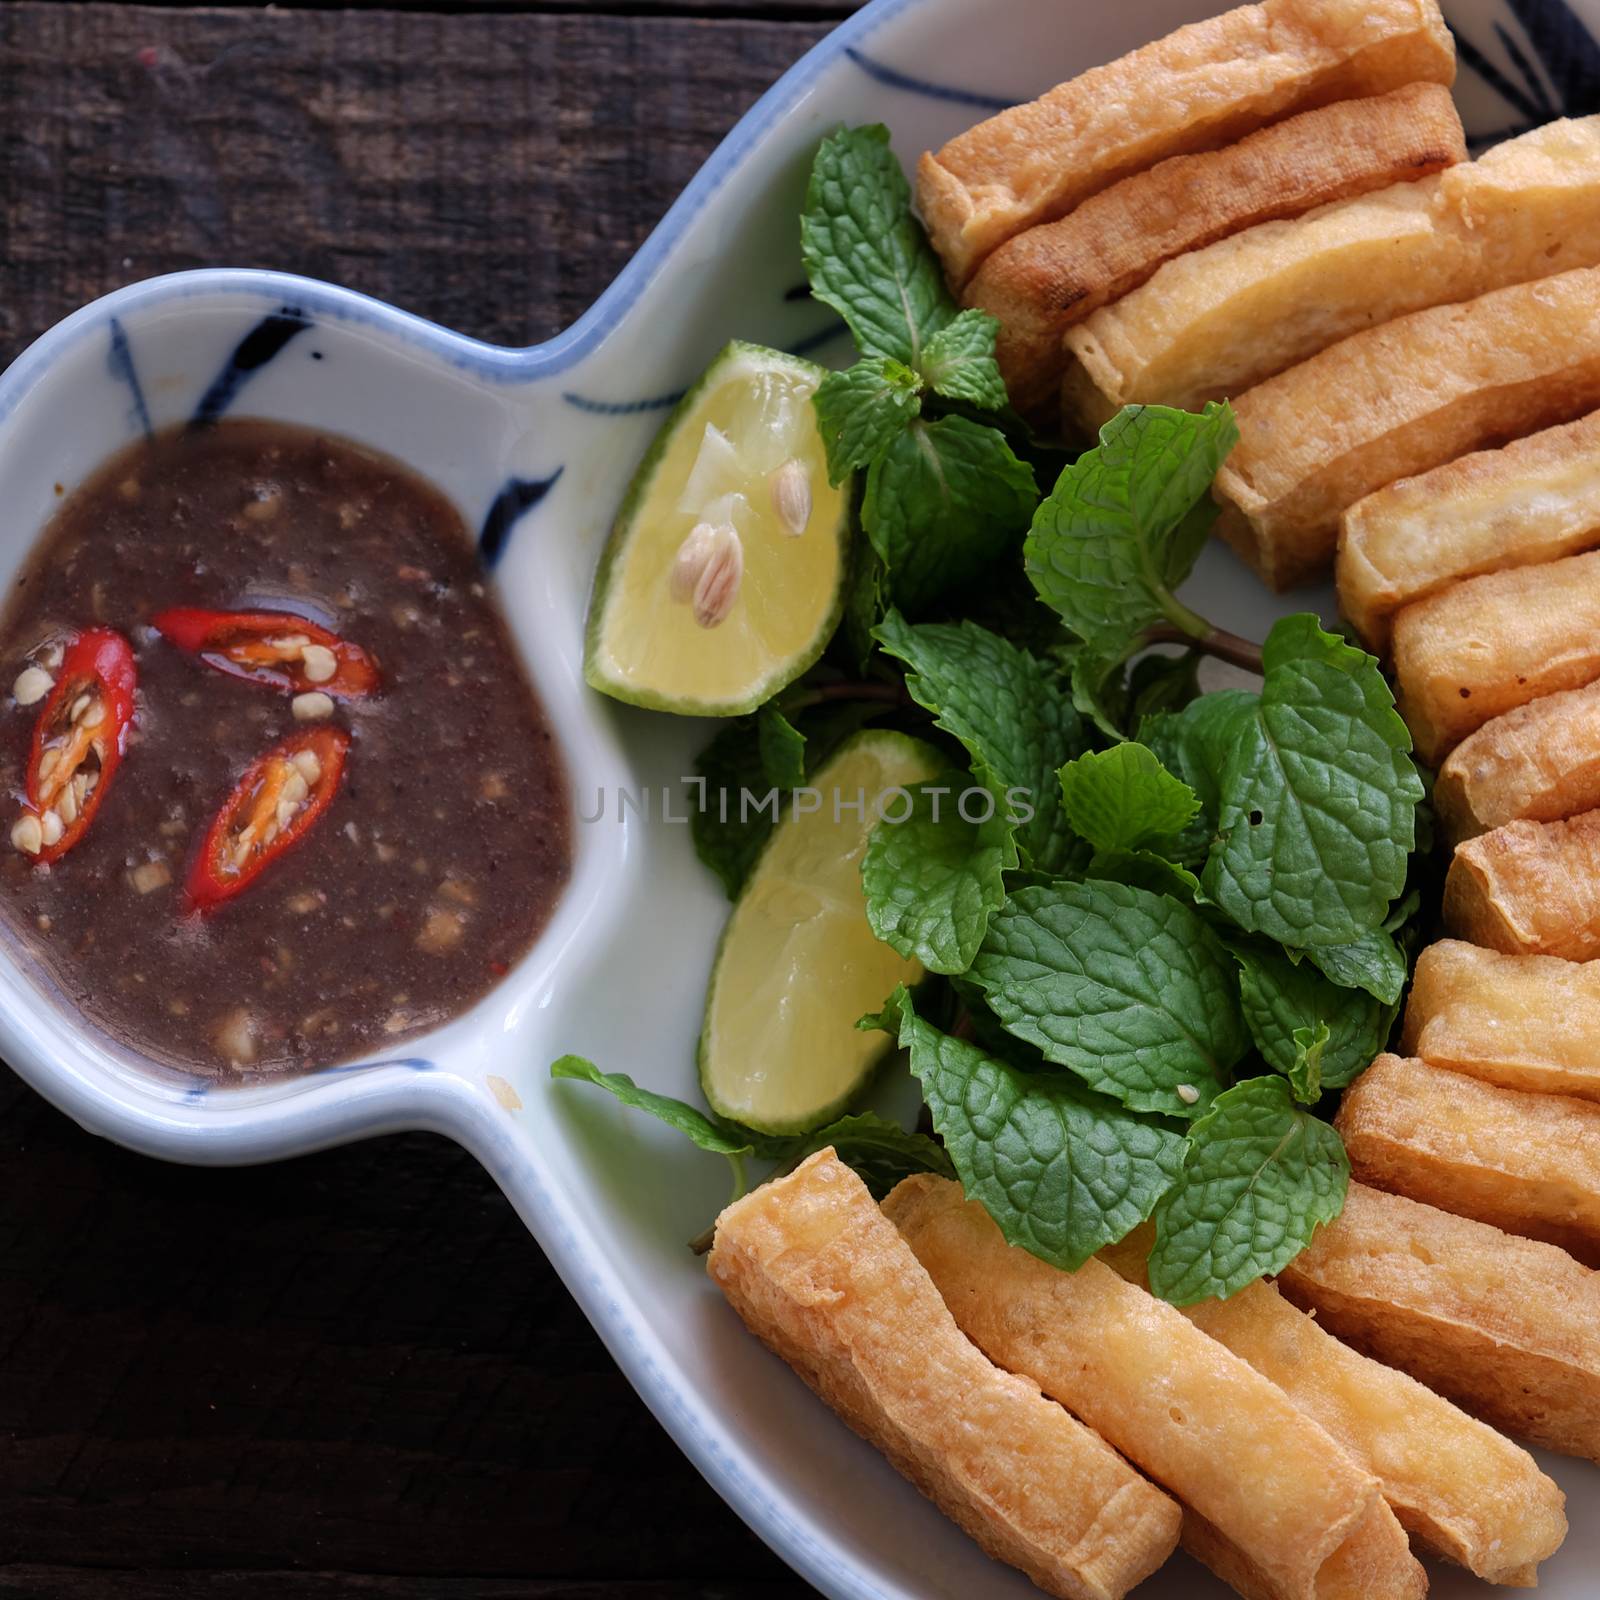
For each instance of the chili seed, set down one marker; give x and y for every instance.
(27, 835)
(319, 662)
(312, 707)
(32, 685)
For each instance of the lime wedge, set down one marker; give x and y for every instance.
(798, 964)
(724, 575)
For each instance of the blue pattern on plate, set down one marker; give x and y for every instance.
(517, 497)
(253, 352)
(203, 1086)
(893, 78)
(1561, 79)
(119, 359)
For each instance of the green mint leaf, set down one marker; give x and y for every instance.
(862, 410)
(933, 881)
(944, 503)
(1100, 686)
(1317, 814)
(866, 598)
(1305, 1071)
(1259, 1177)
(865, 254)
(1062, 1172)
(1144, 869)
(1123, 799)
(1010, 712)
(692, 1123)
(733, 809)
(1374, 963)
(1283, 999)
(695, 1125)
(782, 747)
(959, 362)
(880, 1153)
(1129, 989)
(1126, 521)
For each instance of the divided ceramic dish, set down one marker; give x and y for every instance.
(535, 447)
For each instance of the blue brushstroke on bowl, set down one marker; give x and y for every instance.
(893, 78)
(517, 497)
(119, 359)
(253, 352)
(203, 1086)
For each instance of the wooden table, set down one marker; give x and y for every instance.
(353, 1374)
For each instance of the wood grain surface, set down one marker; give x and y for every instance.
(354, 1374)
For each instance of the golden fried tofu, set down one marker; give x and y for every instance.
(1375, 1559)
(1529, 889)
(1508, 1327)
(1265, 1491)
(1196, 89)
(820, 1275)
(1464, 1491)
(1536, 763)
(1528, 1022)
(1487, 645)
(1041, 282)
(1528, 1163)
(1218, 321)
(1535, 500)
(1397, 400)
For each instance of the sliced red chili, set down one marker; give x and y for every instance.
(78, 742)
(275, 648)
(273, 807)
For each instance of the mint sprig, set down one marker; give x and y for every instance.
(1011, 714)
(1316, 1034)
(1124, 524)
(934, 879)
(1129, 989)
(881, 1152)
(944, 501)
(864, 253)
(1318, 795)
(863, 410)
(1259, 1176)
(1062, 1172)
(959, 362)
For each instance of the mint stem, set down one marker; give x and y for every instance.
(1217, 642)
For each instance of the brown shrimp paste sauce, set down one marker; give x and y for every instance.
(447, 843)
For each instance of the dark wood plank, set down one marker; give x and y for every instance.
(493, 173)
(263, 1382)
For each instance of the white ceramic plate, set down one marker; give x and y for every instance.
(535, 447)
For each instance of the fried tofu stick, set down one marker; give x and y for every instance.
(1487, 645)
(1464, 1491)
(1508, 1327)
(821, 1276)
(1528, 1022)
(1196, 89)
(1529, 889)
(1270, 1501)
(1218, 321)
(1538, 499)
(1537, 763)
(1397, 400)
(1527, 1163)
(1041, 282)
(1374, 1560)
